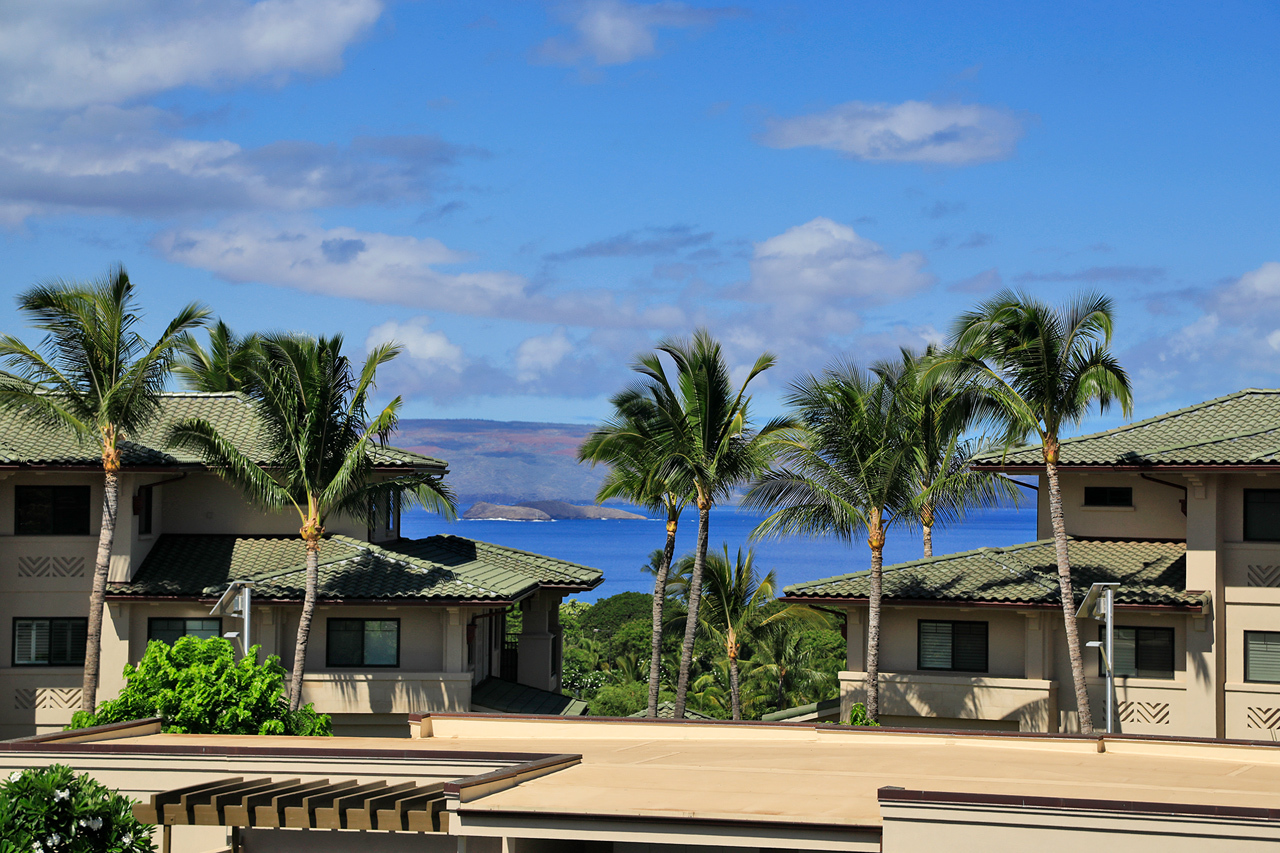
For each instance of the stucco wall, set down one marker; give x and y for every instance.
(1156, 512)
(1005, 647)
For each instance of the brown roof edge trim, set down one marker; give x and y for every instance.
(650, 721)
(1007, 605)
(691, 819)
(204, 748)
(335, 602)
(475, 787)
(898, 795)
(1170, 467)
(93, 732)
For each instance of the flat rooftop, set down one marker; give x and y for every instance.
(784, 773)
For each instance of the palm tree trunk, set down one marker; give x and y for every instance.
(928, 540)
(659, 599)
(876, 540)
(695, 596)
(98, 594)
(926, 524)
(304, 624)
(735, 693)
(1064, 585)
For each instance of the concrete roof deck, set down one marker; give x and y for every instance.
(802, 773)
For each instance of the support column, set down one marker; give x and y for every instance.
(1206, 666)
(1033, 647)
(115, 650)
(536, 667)
(455, 640)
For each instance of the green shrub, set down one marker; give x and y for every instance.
(858, 717)
(52, 810)
(619, 700)
(607, 615)
(199, 687)
(633, 638)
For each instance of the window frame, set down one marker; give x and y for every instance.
(1244, 515)
(1108, 504)
(1173, 651)
(146, 510)
(328, 653)
(1247, 679)
(151, 620)
(87, 490)
(986, 628)
(13, 649)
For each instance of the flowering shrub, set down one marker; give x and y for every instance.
(52, 810)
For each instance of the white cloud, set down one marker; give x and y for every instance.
(913, 131)
(827, 262)
(431, 349)
(612, 32)
(398, 270)
(70, 53)
(107, 160)
(537, 356)
(342, 262)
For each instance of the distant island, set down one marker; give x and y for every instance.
(544, 511)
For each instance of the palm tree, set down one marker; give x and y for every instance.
(95, 376)
(940, 415)
(313, 411)
(786, 664)
(636, 472)
(848, 469)
(734, 596)
(701, 430)
(1040, 368)
(224, 366)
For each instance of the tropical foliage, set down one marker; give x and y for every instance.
(199, 687)
(94, 376)
(53, 810)
(1037, 369)
(313, 405)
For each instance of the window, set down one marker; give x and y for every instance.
(955, 646)
(1262, 515)
(1140, 652)
(51, 510)
(143, 508)
(1262, 656)
(171, 630)
(363, 642)
(1108, 496)
(49, 642)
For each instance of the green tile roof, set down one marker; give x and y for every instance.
(1152, 573)
(443, 568)
(24, 442)
(1239, 429)
(507, 697)
(827, 708)
(667, 711)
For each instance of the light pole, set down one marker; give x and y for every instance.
(236, 602)
(1099, 604)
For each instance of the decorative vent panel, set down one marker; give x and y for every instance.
(1147, 713)
(51, 567)
(42, 698)
(1268, 576)
(1263, 718)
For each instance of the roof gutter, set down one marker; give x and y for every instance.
(1008, 605)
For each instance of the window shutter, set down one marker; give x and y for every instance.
(1125, 653)
(1155, 653)
(935, 645)
(1262, 656)
(31, 641)
(970, 646)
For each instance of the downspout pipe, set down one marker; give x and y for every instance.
(1183, 502)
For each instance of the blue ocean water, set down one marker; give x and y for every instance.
(620, 548)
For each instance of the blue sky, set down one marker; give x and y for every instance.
(526, 194)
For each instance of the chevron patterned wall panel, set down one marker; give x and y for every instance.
(51, 567)
(1148, 713)
(1267, 576)
(41, 698)
(1263, 718)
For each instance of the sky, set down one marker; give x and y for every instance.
(525, 195)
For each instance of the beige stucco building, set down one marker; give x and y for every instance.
(1182, 510)
(402, 626)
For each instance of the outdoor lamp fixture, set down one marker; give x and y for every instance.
(235, 603)
(1099, 604)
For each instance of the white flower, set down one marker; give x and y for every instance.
(55, 839)
(15, 776)
(127, 840)
(95, 823)
(64, 794)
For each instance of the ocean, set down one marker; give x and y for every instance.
(620, 548)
